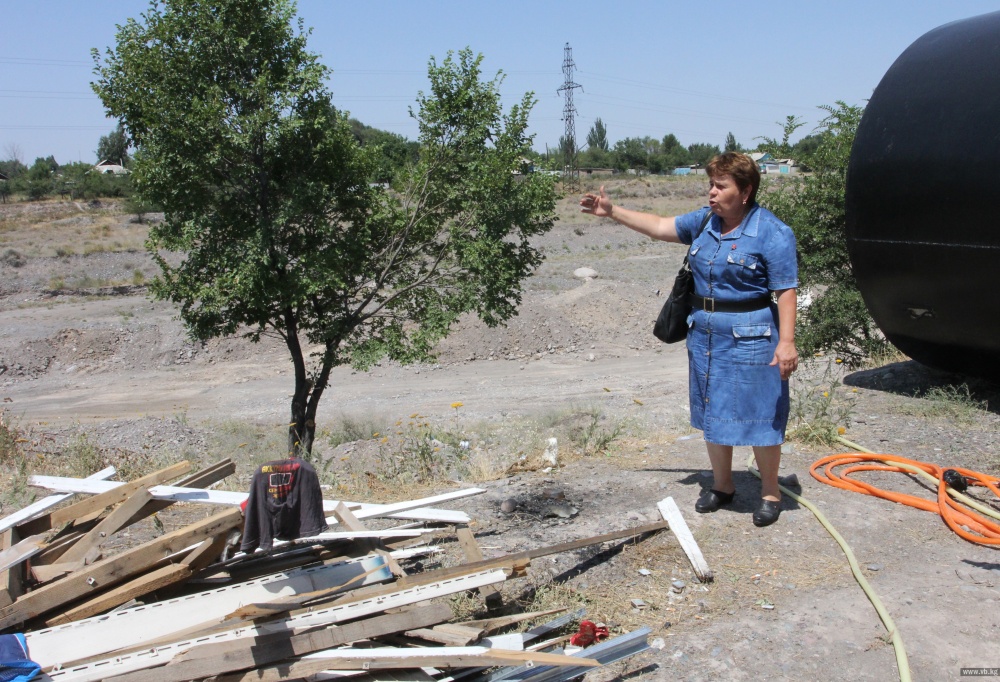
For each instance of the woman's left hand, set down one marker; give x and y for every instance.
(786, 357)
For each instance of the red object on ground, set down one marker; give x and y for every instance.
(589, 633)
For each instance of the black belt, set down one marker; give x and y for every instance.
(711, 305)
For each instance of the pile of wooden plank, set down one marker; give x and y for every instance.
(185, 606)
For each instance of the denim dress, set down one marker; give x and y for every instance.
(736, 396)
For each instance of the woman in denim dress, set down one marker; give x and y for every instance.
(741, 343)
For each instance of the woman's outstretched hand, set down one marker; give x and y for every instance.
(598, 205)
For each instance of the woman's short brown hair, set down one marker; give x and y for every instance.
(740, 167)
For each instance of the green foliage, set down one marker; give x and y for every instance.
(596, 434)
(81, 181)
(597, 138)
(272, 210)
(12, 168)
(702, 153)
(392, 152)
(674, 153)
(783, 149)
(731, 144)
(837, 320)
(113, 147)
(39, 181)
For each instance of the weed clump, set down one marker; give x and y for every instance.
(820, 409)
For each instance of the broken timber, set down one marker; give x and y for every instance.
(225, 657)
(114, 570)
(413, 509)
(160, 654)
(670, 512)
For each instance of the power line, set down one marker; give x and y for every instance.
(699, 93)
(28, 61)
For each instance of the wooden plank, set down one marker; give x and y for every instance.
(110, 525)
(11, 583)
(449, 634)
(391, 658)
(225, 657)
(41, 506)
(206, 554)
(25, 549)
(491, 625)
(45, 573)
(111, 493)
(470, 548)
(144, 584)
(173, 618)
(413, 509)
(202, 478)
(347, 518)
(114, 570)
(509, 560)
(670, 512)
(53, 551)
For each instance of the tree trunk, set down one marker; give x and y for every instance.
(298, 442)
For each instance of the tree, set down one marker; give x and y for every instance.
(14, 153)
(783, 149)
(631, 153)
(39, 181)
(597, 138)
(837, 320)
(114, 147)
(392, 151)
(731, 144)
(278, 228)
(702, 152)
(673, 153)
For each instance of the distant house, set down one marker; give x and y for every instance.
(110, 168)
(763, 159)
(2, 176)
(768, 164)
(787, 166)
(598, 171)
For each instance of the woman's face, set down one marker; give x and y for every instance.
(725, 197)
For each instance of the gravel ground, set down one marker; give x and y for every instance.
(105, 362)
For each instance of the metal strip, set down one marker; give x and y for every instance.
(606, 652)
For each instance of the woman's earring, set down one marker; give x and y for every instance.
(744, 202)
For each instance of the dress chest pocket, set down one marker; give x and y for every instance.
(746, 265)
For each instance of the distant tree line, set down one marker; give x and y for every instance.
(663, 155)
(393, 152)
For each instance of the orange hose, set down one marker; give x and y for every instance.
(981, 529)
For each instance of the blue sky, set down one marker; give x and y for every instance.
(697, 70)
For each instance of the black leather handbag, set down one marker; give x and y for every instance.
(671, 325)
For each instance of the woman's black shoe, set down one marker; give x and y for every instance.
(767, 513)
(712, 500)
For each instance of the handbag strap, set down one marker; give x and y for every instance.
(704, 222)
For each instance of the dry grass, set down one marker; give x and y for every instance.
(60, 229)
(663, 195)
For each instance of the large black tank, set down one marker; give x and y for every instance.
(923, 199)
